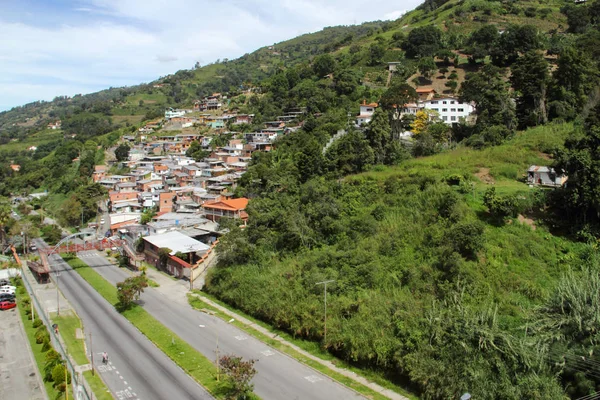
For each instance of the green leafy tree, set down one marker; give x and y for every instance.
(574, 78)
(423, 41)
(122, 152)
(489, 91)
(376, 53)
(5, 216)
(379, 134)
(530, 79)
(323, 65)
(239, 374)
(130, 290)
(515, 39)
(350, 154)
(427, 67)
(197, 152)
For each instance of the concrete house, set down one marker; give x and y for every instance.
(545, 176)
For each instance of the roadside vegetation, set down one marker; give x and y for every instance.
(49, 363)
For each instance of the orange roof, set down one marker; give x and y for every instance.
(233, 204)
(425, 90)
(364, 103)
(123, 224)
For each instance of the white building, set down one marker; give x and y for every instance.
(448, 109)
(172, 113)
(366, 113)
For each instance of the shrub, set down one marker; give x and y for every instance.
(467, 238)
(37, 323)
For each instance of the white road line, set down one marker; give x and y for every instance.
(267, 353)
(241, 337)
(313, 378)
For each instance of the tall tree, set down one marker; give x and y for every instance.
(489, 91)
(530, 79)
(5, 216)
(122, 152)
(379, 134)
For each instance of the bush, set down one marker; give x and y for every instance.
(37, 323)
(501, 206)
(467, 238)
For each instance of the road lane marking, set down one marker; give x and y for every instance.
(241, 337)
(313, 378)
(267, 353)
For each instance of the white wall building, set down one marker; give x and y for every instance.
(449, 109)
(366, 113)
(172, 113)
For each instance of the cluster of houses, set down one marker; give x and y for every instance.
(447, 109)
(187, 197)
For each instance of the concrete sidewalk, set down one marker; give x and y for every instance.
(177, 291)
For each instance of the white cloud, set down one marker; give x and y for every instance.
(125, 42)
(394, 15)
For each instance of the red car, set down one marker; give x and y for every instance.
(7, 305)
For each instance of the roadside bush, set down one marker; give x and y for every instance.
(37, 323)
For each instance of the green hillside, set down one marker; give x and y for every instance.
(452, 274)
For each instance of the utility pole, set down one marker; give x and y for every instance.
(324, 283)
(92, 353)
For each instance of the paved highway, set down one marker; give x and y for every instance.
(278, 376)
(137, 369)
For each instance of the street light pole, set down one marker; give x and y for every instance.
(92, 353)
(324, 283)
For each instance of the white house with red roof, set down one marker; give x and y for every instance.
(366, 113)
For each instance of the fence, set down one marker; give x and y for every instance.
(81, 390)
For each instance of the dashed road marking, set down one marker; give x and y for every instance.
(267, 353)
(241, 337)
(313, 378)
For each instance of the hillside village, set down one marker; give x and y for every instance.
(186, 197)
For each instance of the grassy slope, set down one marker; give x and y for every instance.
(391, 274)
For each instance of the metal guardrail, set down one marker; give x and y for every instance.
(81, 389)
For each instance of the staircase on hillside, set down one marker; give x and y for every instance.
(335, 137)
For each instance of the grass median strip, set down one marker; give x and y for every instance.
(308, 346)
(184, 355)
(68, 325)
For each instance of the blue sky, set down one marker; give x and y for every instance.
(64, 47)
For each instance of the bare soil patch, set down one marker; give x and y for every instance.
(484, 176)
(527, 221)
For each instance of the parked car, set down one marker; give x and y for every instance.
(6, 296)
(8, 287)
(6, 305)
(102, 221)
(9, 291)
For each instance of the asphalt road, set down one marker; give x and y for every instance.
(137, 369)
(278, 376)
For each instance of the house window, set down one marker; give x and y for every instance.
(434, 102)
(452, 102)
(435, 109)
(453, 109)
(444, 118)
(369, 109)
(461, 110)
(444, 110)
(452, 118)
(445, 102)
